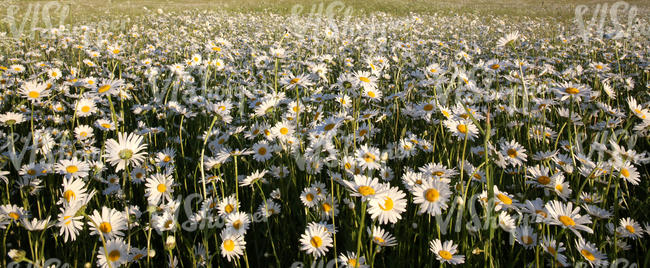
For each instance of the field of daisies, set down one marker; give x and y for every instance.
(205, 139)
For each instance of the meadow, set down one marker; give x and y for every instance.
(342, 134)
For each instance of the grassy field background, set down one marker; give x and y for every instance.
(81, 11)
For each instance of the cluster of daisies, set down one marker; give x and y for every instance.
(210, 138)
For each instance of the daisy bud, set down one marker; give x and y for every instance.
(170, 243)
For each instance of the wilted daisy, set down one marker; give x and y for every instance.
(445, 252)
(127, 150)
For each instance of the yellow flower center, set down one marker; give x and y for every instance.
(316, 241)
(72, 169)
(161, 188)
(294, 81)
(329, 127)
(326, 207)
(366, 190)
(512, 153)
(445, 254)
(428, 107)
(237, 224)
(167, 159)
(69, 195)
(572, 90)
(462, 128)
(495, 66)
(372, 94)
(588, 255)
(364, 79)
(33, 94)
(527, 239)
(284, 131)
(432, 195)
(504, 198)
(85, 109)
(105, 227)
(114, 255)
(543, 180)
(369, 157)
(625, 172)
(103, 88)
(229, 208)
(388, 204)
(630, 228)
(262, 151)
(567, 221)
(229, 245)
(14, 215)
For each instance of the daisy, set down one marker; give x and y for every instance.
(526, 236)
(109, 87)
(316, 240)
(105, 125)
(228, 205)
(462, 129)
(508, 39)
(110, 223)
(432, 196)
(83, 132)
(349, 259)
(262, 151)
(69, 224)
(506, 222)
(283, 130)
(363, 186)
(126, 150)
(34, 91)
(11, 118)
(630, 228)
(85, 107)
(514, 153)
(387, 206)
(114, 255)
(445, 252)
(567, 217)
(590, 252)
(629, 173)
(560, 187)
(159, 188)
(253, 178)
(13, 212)
(74, 190)
(381, 237)
(166, 157)
(72, 168)
(233, 244)
(164, 222)
(238, 222)
(555, 249)
(571, 90)
(309, 197)
(365, 80)
(368, 157)
(328, 208)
